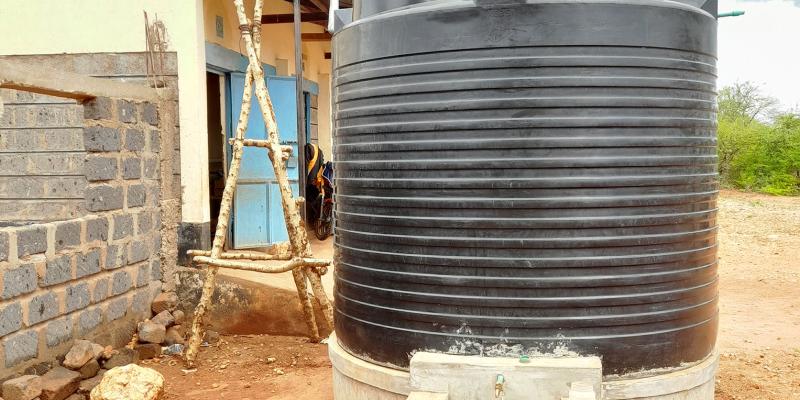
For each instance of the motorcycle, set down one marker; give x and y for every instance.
(319, 192)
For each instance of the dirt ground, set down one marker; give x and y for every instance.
(759, 338)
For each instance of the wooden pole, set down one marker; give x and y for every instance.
(303, 266)
(225, 209)
(301, 104)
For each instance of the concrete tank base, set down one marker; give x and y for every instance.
(435, 376)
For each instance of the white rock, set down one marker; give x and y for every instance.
(130, 382)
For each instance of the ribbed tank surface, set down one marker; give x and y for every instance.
(536, 178)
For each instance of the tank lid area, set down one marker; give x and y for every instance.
(366, 8)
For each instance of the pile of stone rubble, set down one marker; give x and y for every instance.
(90, 371)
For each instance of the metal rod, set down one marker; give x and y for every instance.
(735, 13)
(301, 108)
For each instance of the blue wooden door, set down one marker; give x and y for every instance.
(258, 213)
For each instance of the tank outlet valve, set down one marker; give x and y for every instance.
(499, 383)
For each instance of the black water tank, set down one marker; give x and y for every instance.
(527, 176)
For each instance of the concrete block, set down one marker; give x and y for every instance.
(155, 140)
(141, 301)
(4, 246)
(18, 281)
(117, 308)
(20, 347)
(121, 282)
(150, 168)
(116, 256)
(126, 111)
(100, 290)
(143, 275)
(97, 229)
(101, 138)
(100, 168)
(136, 195)
(68, 234)
(149, 113)
(155, 270)
(88, 263)
(10, 318)
(77, 296)
(31, 240)
(88, 320)
(54, 163)
(57, 270)
(99, 108)
(43, 307)
(138, 251)
(134, 139)
(104, 198)
(144, 222)
(123, 226)
(132, 168)
(474, 377)
(58, 331)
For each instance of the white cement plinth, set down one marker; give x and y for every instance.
(471, 377)
(474, 377)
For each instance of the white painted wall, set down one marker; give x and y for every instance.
(92, 26)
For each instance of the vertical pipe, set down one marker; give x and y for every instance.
(301, 106)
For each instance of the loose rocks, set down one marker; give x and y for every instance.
(26, 387)
(151, 332)
(59, 383)
(164, 302)
(164, 318)
(80, 353)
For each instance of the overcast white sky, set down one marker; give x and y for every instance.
(762, 46)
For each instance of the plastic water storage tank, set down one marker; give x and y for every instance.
(527, 177)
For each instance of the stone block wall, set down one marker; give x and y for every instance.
(58, 123)
(93, 272)
(41, 158)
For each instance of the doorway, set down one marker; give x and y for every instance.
(217, 149)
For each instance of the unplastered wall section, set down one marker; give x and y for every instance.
(41, 158)
(102, 26)
(95, 275)
(47, 131)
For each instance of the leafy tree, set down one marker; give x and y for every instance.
(753, 154)
(744, 100)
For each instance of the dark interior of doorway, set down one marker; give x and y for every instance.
(216, 146)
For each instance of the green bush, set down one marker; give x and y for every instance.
(759, 156)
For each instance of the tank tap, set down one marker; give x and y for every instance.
(499, 393)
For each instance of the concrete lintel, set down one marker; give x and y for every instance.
(49, 81)
(474, 377)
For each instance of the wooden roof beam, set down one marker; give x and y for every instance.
(317, 37)
(289, 18)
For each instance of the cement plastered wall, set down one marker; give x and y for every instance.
(278, 44)
(91, 276)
